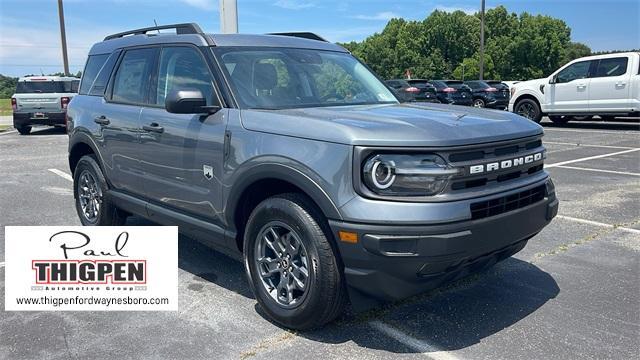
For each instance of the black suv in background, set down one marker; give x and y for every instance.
(452, 92)
(413, 90)
(490, 94)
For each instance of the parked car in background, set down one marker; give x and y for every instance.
(427, 91)
(42, 100)
(408, 91)
(603, 85)
(452, 92)
(493, 95)
(510, 84)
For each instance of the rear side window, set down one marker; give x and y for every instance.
(612, 67)
(94, 64)
(100, 82)
(131, 82)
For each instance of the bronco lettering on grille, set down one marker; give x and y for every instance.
(505, 164)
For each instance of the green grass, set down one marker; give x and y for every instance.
(4, 128)
(5, 107)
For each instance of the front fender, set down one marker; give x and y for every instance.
(280, 169)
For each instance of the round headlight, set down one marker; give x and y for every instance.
(382, 174)
(379, 174)
(407, 174)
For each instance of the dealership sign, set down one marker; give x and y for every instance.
(91, 268)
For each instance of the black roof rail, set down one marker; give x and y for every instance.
(186, 28)
(304, 35)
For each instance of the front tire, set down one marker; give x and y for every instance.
(292, 267)
(529, 109)
(89, 190)
(24, 130)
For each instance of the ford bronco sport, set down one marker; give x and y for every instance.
(42, 100)
(285, 151)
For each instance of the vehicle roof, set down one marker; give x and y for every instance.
(604, 56)
(48, 78)
(230, 40)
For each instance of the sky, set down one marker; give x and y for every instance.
(30, 40)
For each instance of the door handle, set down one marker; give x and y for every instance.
(582, 86)
(153, 127)
(102, 120)
(620, 83)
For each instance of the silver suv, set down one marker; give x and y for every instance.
(42, 100)
(286, 152)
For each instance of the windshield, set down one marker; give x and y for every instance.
(279, 78)
(29, 87)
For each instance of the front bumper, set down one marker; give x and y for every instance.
(30, 118)
(392, 262)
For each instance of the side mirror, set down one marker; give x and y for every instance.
(553, 80)
(188, 102)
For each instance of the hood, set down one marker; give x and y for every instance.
(412, 124)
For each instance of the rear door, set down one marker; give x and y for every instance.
(570, 93)
(610, 84)
(182, 154)
(119, 118)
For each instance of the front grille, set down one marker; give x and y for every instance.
(494, 153)
(497, 206)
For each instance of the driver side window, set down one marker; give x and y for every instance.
(183, 68)
(579, 70)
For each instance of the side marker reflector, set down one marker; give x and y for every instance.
(348, 237)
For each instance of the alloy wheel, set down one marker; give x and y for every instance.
(526, 110)
(90, 196)
(282, 264)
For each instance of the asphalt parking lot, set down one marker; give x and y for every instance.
(572, 293)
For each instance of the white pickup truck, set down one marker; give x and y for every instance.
(603, 85)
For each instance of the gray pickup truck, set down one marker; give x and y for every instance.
(286, 152)
(42, 100)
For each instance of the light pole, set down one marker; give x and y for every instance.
(229, 16)
(481, 39)
(63, 37)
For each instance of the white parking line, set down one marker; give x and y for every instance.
(596, 223)
(428, 350)
(62, 174)
(593, 131)
(590, 158)
(590, 145)
(598, 170)
(8, 132)
(1, 265)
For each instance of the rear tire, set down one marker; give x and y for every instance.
(90, 192)
(299, 289)
(479, 103)
(23, 130)
(529, 109)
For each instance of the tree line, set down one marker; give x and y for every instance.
(445, 45)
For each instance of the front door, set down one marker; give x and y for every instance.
(571, 90)
(182, 154)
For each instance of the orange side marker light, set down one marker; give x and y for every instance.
(348, 237)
